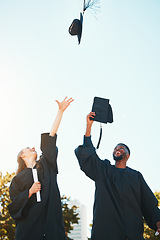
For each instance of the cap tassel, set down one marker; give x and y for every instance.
(91, 4)
(100, 136)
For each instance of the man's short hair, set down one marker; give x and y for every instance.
(125, 147)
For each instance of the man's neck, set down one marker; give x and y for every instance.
(120, 164)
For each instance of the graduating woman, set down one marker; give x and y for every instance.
(43, 219)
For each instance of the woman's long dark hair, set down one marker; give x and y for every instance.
(21, 163)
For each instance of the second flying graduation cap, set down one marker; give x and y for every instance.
(77, 24)
(103, 113)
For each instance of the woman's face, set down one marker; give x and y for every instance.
(29, 153)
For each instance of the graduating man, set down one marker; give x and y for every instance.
(39, 220)
(122, 197)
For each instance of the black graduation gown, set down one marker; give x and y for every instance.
(34, 219)
(122, 198)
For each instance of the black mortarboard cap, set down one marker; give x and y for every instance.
(76, 27)
(103, 113)
(103, 110)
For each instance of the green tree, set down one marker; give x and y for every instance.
(69, 215)
(148, 232)
(7, 224)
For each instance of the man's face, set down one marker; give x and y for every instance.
(120, 152)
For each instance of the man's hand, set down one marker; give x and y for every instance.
(158, 226)
(89, 123)
(64, 104)
(90, 115)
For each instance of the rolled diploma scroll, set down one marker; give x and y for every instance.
(35, 178)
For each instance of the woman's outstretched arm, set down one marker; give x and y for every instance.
(62, 107)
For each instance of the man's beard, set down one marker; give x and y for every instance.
(118, 158)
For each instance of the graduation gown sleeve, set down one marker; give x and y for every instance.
(88, 160)
(149, 204)
(18, 197)
(49, 150)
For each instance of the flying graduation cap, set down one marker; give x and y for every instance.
(77, 24)
(103, 113)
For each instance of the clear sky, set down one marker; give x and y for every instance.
(118, 59)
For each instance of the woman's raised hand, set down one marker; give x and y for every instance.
(65, 103)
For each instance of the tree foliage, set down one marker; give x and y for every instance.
(7, 224)
(69, 215)
(149, 234)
